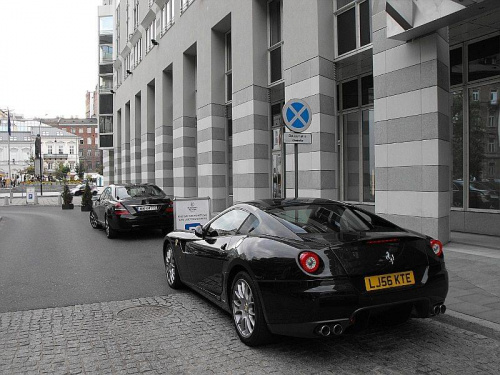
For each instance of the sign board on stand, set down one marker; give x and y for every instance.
(297, 138)
(191, 212)
(30, 195)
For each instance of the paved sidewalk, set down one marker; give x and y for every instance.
(48, 199)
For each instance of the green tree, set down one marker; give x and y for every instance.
(80, 170)
(62, 171)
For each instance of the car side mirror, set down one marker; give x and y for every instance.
(198, 231)
(211, 233)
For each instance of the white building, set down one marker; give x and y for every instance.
(58, 146)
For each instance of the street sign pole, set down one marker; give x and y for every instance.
(296, 148)
(297, 116)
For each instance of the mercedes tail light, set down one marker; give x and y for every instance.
(437, 247)
(120, 209)
(309, 261)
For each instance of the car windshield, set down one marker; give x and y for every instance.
(327, 218)
(135, 191)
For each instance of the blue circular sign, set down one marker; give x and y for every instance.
(297, 115)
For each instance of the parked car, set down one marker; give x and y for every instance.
(79, 189)
(307, 268)
(132, 206)
(482, 194)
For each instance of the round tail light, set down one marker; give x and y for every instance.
(309, 261)
(437, 247)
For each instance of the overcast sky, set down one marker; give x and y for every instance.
(48, 56)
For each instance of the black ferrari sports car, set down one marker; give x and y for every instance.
(122, 208)
(307, 268)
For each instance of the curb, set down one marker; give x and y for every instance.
(455, 315)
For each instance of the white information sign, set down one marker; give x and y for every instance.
(30, 195)
(191, 212)
(302, 138)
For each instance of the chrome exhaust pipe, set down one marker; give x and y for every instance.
(325, 330)
(437, 310)
(442, 309)
(337, 329)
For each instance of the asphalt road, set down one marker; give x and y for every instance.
(51, 257)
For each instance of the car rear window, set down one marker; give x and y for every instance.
(313, 218)
(136, 191)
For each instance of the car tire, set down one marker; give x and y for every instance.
(93, 220)
(171, 271)
(247, 312)
(110, 232)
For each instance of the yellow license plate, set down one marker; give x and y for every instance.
(390, 280)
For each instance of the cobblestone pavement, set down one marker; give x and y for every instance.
(184, 334)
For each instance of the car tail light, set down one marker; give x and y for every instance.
(437, 247)
(170, 208)
(120, 209)
(309, 261)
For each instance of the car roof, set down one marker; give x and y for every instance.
(267, 204)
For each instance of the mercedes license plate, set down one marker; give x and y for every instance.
(147, 208)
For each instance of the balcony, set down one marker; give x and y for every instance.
(55, 156)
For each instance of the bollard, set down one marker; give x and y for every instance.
(59, 200)
(11, 195)
(6, 202)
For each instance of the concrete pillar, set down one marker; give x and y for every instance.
(412, 129)
(163, 133)
(126, 145)
(135, 139)
(250, 112)
(108, 160)
(309, 74)
(148, 134)
(117, 142)
(212, 122)
(184, 125)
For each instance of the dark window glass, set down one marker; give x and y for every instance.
(275, 21)
(106, 141)
(106, 69)
(229, 86)
(367, 90)
(106, 124)
(484, 153)
(456, 67)
(351, 157)
(346, 31)
(275, 64)
(250, 225)
(328, 218)
(229, 223)
(457, 120)
(229, 62)
(139, 191)
(105, 103)
(484, 59)
(365, 21)
(106, 39)
(350, 94)
(341, 3)
(338, 97)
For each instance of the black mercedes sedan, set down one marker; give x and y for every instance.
(132, 206)
(307, 268)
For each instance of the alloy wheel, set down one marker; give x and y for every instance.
(243, 308)
(170, 266)
(93, 220)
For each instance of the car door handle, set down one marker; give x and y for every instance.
(223, 247)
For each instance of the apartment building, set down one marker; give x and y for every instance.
(404, 95)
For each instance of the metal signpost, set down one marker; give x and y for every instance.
(297, 116)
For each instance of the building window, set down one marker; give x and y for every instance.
(185, 4)
(80, 153)
(136, 14)
(89, 130)
(71, 150)
(106, 54)
(89, 141)
(229, 69)
(80, 130)
(105, 124)
(49, 149)
(475, 95)
(167, 16)
(89, 153)
(73, 130)
(45, 133)
(353, 25)
(106, 25)
(81, 141)
(494, 97)
(357, 128)
(483, 58)
(49, 166)
(277, 150)
(60, 150)
(274, 9)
